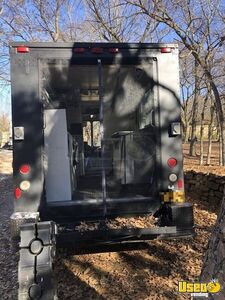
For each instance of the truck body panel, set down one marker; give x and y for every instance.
(117, 165)
(96, 135)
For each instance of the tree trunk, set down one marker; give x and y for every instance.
(201, 145)
(185, 122)
(186, 134)
(214, 261)
(220, 143)
(220, 116)
(202, 131)
(221, 151)
(192, 150)
(209, 151)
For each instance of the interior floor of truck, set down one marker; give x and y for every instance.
(89, 187)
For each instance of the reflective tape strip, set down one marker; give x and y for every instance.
(173, 196)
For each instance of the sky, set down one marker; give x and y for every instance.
(5, 99)
(5, 95)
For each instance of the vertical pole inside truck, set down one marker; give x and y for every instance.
(101, 116)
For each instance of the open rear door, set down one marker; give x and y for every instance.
(130, 135)
(110, 111)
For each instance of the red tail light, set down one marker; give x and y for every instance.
(97, 50)
(79, 50)
(22, 49)
(24, 169)
(18, 193)
(113, 50)
(172, 162)
(180, 184)
(166, 50)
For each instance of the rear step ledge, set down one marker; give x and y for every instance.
(99, 201)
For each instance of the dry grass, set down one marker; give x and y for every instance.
(5, 162)
(192, 163)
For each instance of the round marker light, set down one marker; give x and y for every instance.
(24, 169)
(172, 162)
(25, 185)
(172, 177)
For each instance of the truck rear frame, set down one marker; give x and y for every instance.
(126, 97)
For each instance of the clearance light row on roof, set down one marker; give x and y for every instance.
(95, 50)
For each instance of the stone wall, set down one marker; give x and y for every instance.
(205, 187)
(209, 188)
(214, 260)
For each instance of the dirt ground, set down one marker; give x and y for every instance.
(192, 163)
(151, 273)
(8, 259)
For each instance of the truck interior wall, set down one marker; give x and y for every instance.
(56, 160)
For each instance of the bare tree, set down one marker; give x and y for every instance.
(211, 120)
(196, 26)
(4, 122)
(116, 21)
(202, 129)
(51, 20)
(187, 90)
(40, 20)
(196, 97)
